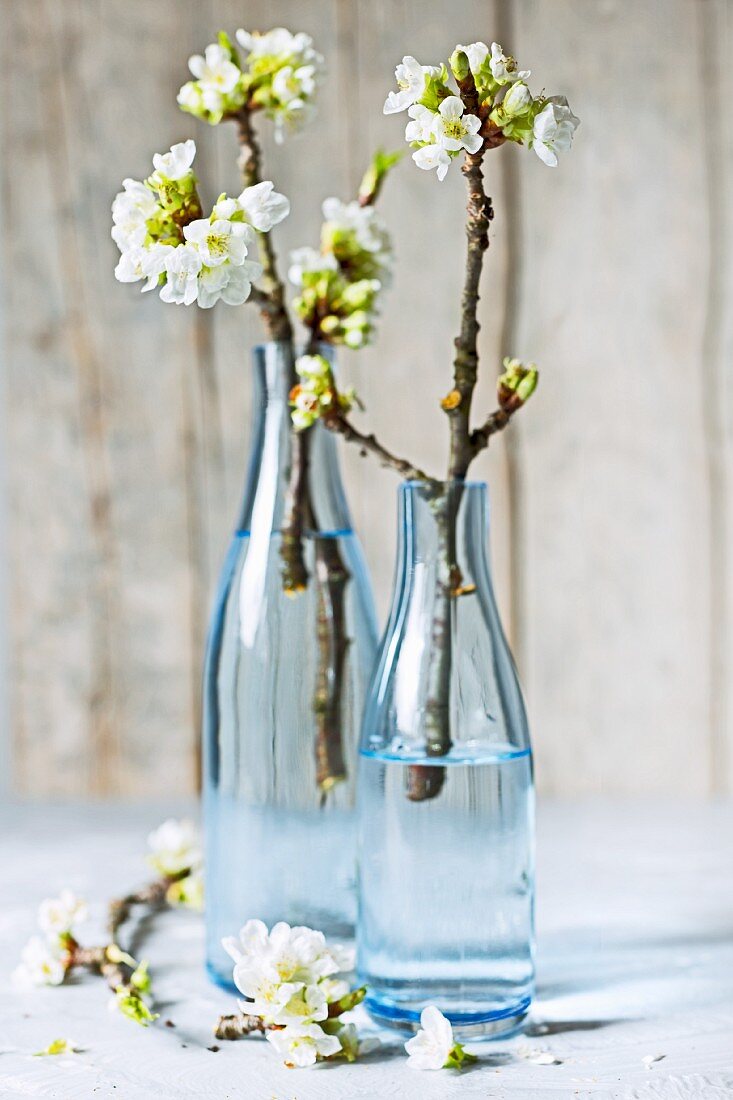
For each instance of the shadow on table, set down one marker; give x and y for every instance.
(539, 1029)
(591, 962)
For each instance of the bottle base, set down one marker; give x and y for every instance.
(498, 1023)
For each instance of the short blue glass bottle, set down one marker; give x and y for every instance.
(445, 789)
(284, 687)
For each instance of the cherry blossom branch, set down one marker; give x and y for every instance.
(272, 300)
(465, 364)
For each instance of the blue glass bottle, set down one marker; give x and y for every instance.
(446, 807)
(284, 687)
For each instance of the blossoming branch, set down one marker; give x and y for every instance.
(50, 958)
(473, 104)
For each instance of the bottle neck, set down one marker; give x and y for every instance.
(446, 530)
(268, 474)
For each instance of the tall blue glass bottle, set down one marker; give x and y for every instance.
(284, 689)
(446, 810)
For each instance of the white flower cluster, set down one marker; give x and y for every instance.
(340, 284)
(164, 240)
(175, 847)
(175, 853)
(45, 959)
(441, 128)
(278, 73)
(290, 977)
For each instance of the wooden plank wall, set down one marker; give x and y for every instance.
(126, 421)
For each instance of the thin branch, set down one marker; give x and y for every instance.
(369, 443)
(494, 423)
(239, 1026)
(274, 314)
(465, 364)
(152, 895)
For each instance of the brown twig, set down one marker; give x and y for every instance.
(152, 895)
(272, 300)
(239, 1026)
(494, 423)
(332, 578)
(340, 424)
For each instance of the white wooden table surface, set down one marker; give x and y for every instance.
(635, 921)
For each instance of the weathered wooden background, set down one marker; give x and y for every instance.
(126, 421)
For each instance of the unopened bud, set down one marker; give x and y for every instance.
(375, 175)
(517, 384)
(459, 64)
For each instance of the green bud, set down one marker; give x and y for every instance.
(131, 1004)
(436, 90)
(358, 320)
(115, 954)
(355, 338)
(360, 295)
(517, 384)
(352, 999)
(375, 175)
(226, 43)
(140, 978)
(187, 892)
(459, 65)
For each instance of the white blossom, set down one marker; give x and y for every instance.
(220, 241)
(283, 955)
(43, 962)
(476, 53)
(432, 156)
(130, 211)
(290, 84)
(302, 1044)
(181, 270)
(516, 100)
(447, 130)
(344, 957)
(421, 127)
(411, 77)
(217, 75)
(431, 1047)
(334, 989)
(228, 282)
(175, 846)
(129, 267)
(307, 259)
(58, 916)
(190, 97)
(504, 68)
(455, 130)
(143, 263)
(553, 130)
(305, 1004)
(279, 42)
(370, 232)
(263, 206)
(176, 164)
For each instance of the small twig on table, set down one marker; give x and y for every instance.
(239, 1026)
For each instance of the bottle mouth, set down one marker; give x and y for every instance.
(418, 483)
